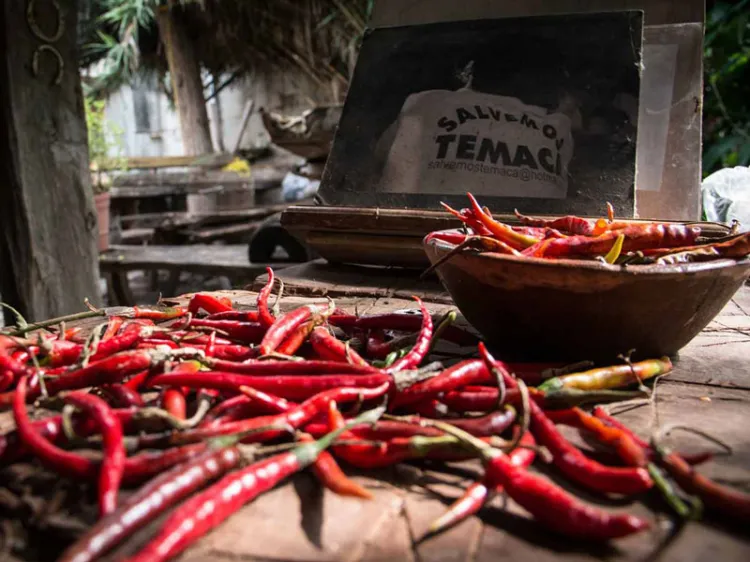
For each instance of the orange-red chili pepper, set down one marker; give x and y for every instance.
(329, 474)
(570, 223)
(330, 348)
(265, 316)
(210, 303)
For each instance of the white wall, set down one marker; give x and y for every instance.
(286, 92)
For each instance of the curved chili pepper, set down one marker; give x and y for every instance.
(502, 232)
(209, 508)
(246, 332)
(113, 464)
(330, 348)
(579, 468)
(329, 474)
(470, 371)
(476, 495)
(251, 402)
(151, 500)
(402, 323)
(121, 396)
(209, 303)
(291, 387)
(272, 367)
(284, 325)
(570, 223)
(610, 377)
(236, 315)
(735, 248)
(467, 217)
(265, 316)
(417, 354)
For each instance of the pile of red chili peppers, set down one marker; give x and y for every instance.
(205, 407)
(617, 242)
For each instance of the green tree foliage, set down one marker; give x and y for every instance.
(726, 105)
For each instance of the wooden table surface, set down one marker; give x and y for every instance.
(709, 388)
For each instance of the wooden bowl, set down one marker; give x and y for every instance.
(533, 309)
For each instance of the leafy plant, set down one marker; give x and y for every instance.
(106, 144)
(726, 111)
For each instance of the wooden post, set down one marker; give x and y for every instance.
(48, 253)
(187, 86)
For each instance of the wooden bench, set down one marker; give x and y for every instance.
(220, 260)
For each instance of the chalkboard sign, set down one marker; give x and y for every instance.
(534, 113)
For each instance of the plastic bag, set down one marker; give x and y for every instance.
(726, 196)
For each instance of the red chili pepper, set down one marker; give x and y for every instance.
(329, 474)
(735, 248)
(121, 396)
(174, 402)
(570, 223)
(499, 230)
(637, 238)
(627, 448)
(286, 324)
(209, 508)
(113, 369)
(135, 382)
(245, 332)
(417, 354)
(114, 323)
(272, 367)
(468, 217)
(579, 468)
(555, 508)
(236, 315)
(399, 322)
(476, 495)
(150, 501)
(291, 387)
(265, 316)
(328, 347)
(113, 464)
(295, 418)
(250, 403)
(570, 460)
(470, 371)
(210, 303)
(297, 338)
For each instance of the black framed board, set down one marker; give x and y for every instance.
(535, 113)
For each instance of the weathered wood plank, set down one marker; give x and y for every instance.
(47, 216)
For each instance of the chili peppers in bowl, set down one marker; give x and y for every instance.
(586, 292)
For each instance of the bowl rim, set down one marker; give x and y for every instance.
(585, 265)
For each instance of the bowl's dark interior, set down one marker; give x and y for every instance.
(535, 310)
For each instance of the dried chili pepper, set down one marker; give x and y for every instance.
(284, 325)
(209, 508)
(113, 463)
(548, 503)
(501, 231)
(579, 468)
(477, 494)
(291, 387)
(245, 332)
(153, 499)
(329, 348)
(271, 367)
(570, 223)
(329, 474)
(209, 303)
(265, 316)
(610, 377)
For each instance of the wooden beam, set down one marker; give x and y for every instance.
(48, 220)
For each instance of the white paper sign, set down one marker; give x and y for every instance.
(486, 144)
